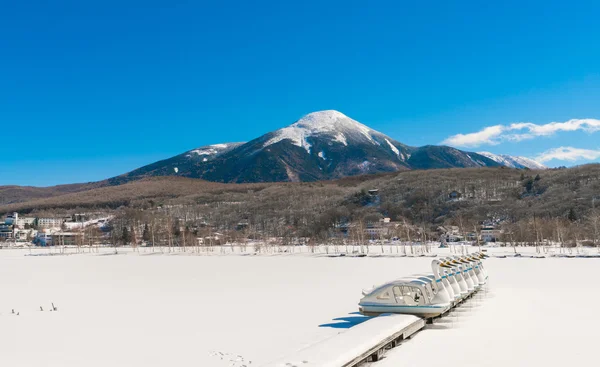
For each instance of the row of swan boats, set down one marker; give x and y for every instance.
(453, 279)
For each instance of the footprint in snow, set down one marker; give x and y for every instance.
(235, 360)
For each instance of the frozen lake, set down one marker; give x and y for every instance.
(176, 310)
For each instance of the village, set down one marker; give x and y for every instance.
(49, 231)
(96, 229)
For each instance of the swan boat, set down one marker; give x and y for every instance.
(428, 295)
(403, 296)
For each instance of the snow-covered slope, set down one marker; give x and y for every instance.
(337, 126)
(211, 151)
(513, 161)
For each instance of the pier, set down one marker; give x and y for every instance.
(365, 342)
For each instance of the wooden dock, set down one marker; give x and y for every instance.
(365, 342)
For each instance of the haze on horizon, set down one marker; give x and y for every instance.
(92, 90)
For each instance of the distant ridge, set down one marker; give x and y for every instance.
(513, 161)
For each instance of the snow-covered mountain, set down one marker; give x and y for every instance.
(320, 146)
(513, 161)
(338, 127)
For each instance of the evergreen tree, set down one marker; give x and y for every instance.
(176, 228)
(572, 215)
(125, 236)
(529, 185)
(146, 234)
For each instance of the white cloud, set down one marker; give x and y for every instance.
(568, 154)
(493, 135)
(488, 135)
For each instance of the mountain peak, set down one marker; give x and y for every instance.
(334, 124)
(328, 120)
(322, 116)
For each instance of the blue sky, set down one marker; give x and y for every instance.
(92, 89)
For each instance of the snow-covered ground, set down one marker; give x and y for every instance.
(153, 309)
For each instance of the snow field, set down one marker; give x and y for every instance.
(158, 310)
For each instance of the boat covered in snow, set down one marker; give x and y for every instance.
(403, 296)
(428, 295)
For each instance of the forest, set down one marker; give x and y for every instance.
(555, 205)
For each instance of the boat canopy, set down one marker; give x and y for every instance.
(402, 292)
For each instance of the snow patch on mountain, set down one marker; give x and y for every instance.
(394, 149)
(341, 138)
(206, 151)
(322, 155)
(476, 161)
(212, 150)
(220, 146)
(528, 162)
(513, 161)
(364, 166)
(338, 126)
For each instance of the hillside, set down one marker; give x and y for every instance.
(312, 208)
(16, 194)
(155, 189)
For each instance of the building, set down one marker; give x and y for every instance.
(21, 234)
(214, 240)
(454, 195)
(451, 233)
(490, 234)
(50, 222)
(43, 239)
(242, 225)
(6, 233)
(23, 222)
(67, 239)
(15, 220)
(381, 229)
(11, 218)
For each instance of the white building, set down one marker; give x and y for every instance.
(490, 234)
(14, 220)
(383, 228)
(50, 222)
(23, 221)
